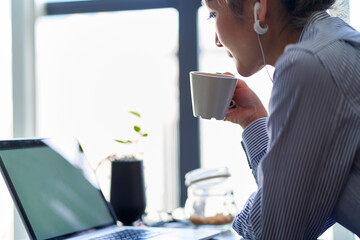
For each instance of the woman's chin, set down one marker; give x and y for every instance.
(245, 72)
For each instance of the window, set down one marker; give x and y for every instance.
(185, 56)
(187, 61)
(94, 68)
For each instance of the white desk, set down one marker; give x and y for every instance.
(228, 235)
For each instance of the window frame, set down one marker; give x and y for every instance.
(25, 95)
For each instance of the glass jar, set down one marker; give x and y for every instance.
(210, 199)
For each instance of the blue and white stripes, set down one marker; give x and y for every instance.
(256, 137)
(306, 155)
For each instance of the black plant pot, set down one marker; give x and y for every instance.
(127, 191)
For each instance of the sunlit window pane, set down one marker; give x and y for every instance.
(94, 68)
(354, 14)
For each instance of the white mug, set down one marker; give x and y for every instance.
(211, 94)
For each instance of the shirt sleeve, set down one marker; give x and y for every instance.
(255, 141)
(299, 176)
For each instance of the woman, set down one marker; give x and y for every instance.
(304, 153)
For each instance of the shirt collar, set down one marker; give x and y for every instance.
(315, 17)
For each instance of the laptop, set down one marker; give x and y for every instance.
(58, 197)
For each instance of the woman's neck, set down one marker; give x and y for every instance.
(275, 46)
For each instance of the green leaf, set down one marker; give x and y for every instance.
(145, 135)
(137, 128)
(120, 141)
(135, 113)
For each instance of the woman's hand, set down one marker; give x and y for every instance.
(246, 107)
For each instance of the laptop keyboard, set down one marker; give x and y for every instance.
(133, 234)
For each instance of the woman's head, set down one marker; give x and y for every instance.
(235, 28)
(236, 35)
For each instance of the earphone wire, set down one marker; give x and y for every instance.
(263, 56)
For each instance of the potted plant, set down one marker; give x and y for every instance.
(127, 188)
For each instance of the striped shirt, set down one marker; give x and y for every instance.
(305, 156)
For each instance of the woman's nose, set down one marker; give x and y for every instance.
(217, 42)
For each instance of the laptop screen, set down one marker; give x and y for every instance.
(53, 188)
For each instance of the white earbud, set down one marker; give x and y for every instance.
(257, 28)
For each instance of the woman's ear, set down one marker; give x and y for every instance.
(260, 27)
(262, 11)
